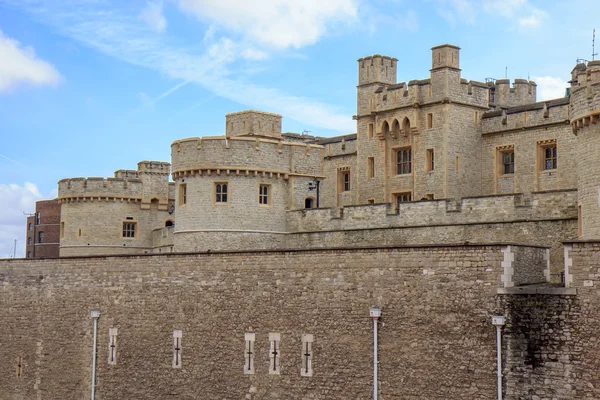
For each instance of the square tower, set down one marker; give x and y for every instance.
(252, 122)
(445, 56)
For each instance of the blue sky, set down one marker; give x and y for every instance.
(91, 86)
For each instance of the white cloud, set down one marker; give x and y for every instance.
(14, 201)
(153, 16)
(276, 23)
(549, 87)
(120, 36)
(534, 20)
(19, 65)
(505, 8)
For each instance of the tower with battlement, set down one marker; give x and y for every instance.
(115, 215)
(584, 116)
(253, 123)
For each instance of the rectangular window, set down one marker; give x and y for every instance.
(221, 190)
(430, 160)
(429, 120)
(508, 162)
(263, 194)
(38, 217)
(476, 117)
(274, 353)
(549, 154)
(249, 353)
(307, 355)
(371, 167)
(370, 134)
(182, 194)
(344, 179)
(30, 226)
(371, 201)
(129, 229)
(403, 197)
(177, 336)
(404, 161)
(112, 346)
(40, 237)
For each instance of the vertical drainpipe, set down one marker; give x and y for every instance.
(375, 313)
(498, 322)
(95, 314)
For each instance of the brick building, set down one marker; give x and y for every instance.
(43, 230)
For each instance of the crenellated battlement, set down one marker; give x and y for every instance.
(585, 95)
(475, 210)
(99, 188)
(520, 93)
(253, 123)
(154, 167)
(526, 117)
(246, 154)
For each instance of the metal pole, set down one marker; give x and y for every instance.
(375, 361)
(95, 315)
(499, 359)
(318, 185)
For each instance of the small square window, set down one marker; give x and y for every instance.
(404, 161)
(402, 197)
(506, 160)
(263, 195)
(129, 229)
(221, 191)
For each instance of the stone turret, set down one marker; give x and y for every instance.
(253, 123)
(584, 116)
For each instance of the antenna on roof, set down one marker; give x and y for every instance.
(594, 44)
(505, 72)
(305, 132)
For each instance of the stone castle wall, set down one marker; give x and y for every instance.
(436, 302)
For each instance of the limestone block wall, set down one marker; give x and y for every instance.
(527, 132)
(99, 187)
(95, 226)
(435, 339)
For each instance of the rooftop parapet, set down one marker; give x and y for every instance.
(585, 95)
(522, 92)
(377, 69)
(242, 153)
(94, 187)
(253, 123)
(155, 167)
(526, 116)
(126, 174)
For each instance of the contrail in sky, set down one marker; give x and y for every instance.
(11, 160)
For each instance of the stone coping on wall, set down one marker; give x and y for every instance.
(544, 290)
(244, 138)
(294, 250)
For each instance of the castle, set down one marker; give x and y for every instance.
(454, 201)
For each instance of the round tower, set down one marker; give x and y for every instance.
(233, 192)
(584, 114)
(117, 215)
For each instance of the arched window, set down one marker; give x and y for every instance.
(169, 223)
(385, 128)
(28, 254)
(405, 126)
(309, 202)
(395, 128)
(29, 240)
